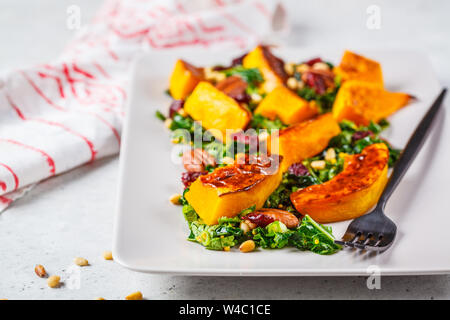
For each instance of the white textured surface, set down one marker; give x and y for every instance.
(72, 215)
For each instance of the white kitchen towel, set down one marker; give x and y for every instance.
(60, 115)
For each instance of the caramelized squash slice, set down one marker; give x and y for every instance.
(271, 67)
(356, 67)
(229, 190)
(304, 140)
(216, 110)
(286, 105)
(349, 194)
(183, 80)
(362, 102)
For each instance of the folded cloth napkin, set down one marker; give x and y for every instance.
(60, 115)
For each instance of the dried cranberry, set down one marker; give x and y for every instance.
(175, 106)
(316, 82)
(313, 61)
(188, 177)
(235, 62)
(220, 68)
(358, 135)
(260, 219)
(238, 60)
(298, 170)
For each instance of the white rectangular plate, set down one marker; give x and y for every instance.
(150, 232)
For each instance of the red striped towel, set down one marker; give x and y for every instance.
(60, 115)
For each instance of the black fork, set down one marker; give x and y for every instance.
(374, 231)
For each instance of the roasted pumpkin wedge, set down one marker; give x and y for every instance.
(183, 80)
(216, 110)
(286, 105)
(362, 102)
(304, 140)
(356, 67)
(349, 194)
(228, 190)
(271, 67)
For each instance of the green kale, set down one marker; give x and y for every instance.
(314, 237)
(180, 122)
(189, 213)
(226, 233)
(280, 198)
(250, 75)
(324, 101)
(260, 122)
(160, 116)
(273, 236)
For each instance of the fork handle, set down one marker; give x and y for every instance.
(412, 148)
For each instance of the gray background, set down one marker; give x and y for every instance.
(71, 215)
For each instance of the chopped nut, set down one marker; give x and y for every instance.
(244, 227)
(82, 262)
(321, 66)
(107, 255)
(40, 271)
(168, 122)
(289, 68)
(330, 154)
(292, 83)
(247, 246)
(175, 199)
(53, 281)
(302, 68)
(134, 296)
(318, 164)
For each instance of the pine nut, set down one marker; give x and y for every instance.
(330, 155)
(168, 122)
(40, 271)
(182, 112)
(82, 262)
(107, 255)
(318, 164)
(321, 66)
(53, 281)
(292, 83)
(289, 68)
(263, 136)
(175, 199)
(255, 97)
(302, 68)
(134, 296)
(227, 160)
(247, 246)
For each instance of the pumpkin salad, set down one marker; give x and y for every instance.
(274, 150)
